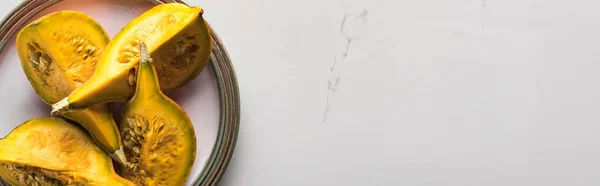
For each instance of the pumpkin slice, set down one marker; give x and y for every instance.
(176, 36)
(159, 137)
(51, 151)
(58, 53)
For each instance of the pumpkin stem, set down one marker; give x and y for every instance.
(147, 83)
(60, 107)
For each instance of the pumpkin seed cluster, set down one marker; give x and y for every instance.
(154, 135)
(129, 52)
(78, 41)
(39, 59)
(40, 177)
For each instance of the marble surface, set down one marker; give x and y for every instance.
(420, 93)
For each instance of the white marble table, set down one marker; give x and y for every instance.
(419, 93)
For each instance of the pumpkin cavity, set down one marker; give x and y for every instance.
(177, 56)
(59, 76)
(35, 176)
(46, 69)
(152, 147)
(77, 46)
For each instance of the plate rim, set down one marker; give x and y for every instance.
(226, 79)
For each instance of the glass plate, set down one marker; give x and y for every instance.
(211, 100)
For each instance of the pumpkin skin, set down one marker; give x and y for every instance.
(158, 136)
(176, 36)
(58, 53)
(52, 151)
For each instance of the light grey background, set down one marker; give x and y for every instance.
(397, 92)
